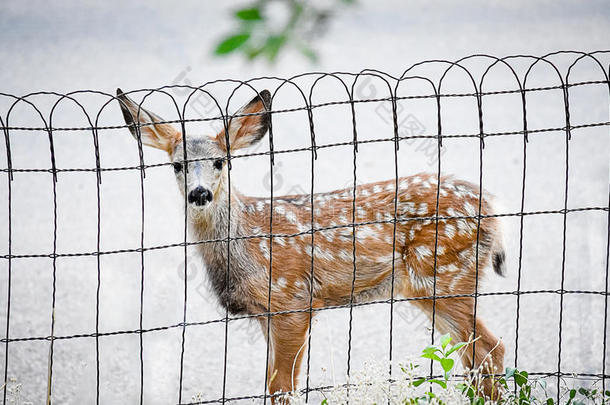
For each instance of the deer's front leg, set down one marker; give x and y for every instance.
(288, 335)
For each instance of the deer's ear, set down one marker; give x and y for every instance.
(160, 136)
(247, 130)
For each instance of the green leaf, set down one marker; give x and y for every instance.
(273, 45)
(431, 356)
(324, 402)
(439, 382)
(249, 14)
(447, 364)
(254, 52)
(572, 393)
(550, 401)
(445, 339)
(419, 382)
(457, 346)
(309, 53)
(431, 349)
(520, 378)
(232, 43)
(510, 371)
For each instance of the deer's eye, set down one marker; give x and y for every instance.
(218, 164)
(177, 167)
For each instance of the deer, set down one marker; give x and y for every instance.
(414, 236)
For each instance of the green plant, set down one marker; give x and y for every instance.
(258, 34)
(515, 387)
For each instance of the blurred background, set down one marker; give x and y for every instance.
(67, 46)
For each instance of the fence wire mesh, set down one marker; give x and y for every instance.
(328, 131)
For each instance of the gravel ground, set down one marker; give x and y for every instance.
(77, 45)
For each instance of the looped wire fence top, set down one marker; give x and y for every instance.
(105, 296)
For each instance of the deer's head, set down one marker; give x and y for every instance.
(205, 165)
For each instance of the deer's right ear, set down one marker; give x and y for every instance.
(160, 136)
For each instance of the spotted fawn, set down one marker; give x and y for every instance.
(424, 254)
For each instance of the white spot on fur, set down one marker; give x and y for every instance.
(450, 230)
(291, 217)
(260, 205)
(448, 268)
(409, 207)
(464, 227)
(377, 189)
(423, 209)
(320, 253)
(365, 232)
(469, 209)
(295, 244)
(264, 248)
(346, 255)
(422, 251)
(328, 234)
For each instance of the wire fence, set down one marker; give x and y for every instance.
(419, 131)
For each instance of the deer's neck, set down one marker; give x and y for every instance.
(227, 266)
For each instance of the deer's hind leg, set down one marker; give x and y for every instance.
(456, 317)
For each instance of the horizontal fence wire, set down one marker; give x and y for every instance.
(475, 72)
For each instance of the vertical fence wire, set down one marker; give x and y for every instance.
(564, 231)
(314, 156)
(185, 238)
(9, 175)
(98, 264)
(54, 267)
(605, 330)
(270, 283)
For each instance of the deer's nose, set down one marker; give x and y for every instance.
(200, 196)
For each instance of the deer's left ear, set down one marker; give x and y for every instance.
(249, 129)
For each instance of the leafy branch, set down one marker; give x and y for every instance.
(261, 33)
